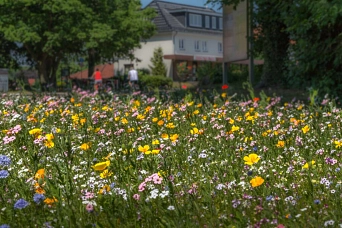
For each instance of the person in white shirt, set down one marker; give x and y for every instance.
(133, 77)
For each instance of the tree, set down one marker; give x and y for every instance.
(8, 52)
(158, 66)
(52, 29)
(316, 53)
(272, 39)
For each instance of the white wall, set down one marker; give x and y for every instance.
(145, 53)
(189, 44)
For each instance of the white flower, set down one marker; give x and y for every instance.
(170, 208)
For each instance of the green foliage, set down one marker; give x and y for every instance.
(151, 82)
(209, 73)
(55, 29)
(158, 66)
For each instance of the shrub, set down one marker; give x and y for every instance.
(152, 81)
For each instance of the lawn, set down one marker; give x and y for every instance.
(186, 158)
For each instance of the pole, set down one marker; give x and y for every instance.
(250, 43)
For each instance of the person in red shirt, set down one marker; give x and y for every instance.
(97, 79)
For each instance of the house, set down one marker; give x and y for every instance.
(187, 34)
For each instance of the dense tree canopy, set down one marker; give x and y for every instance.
(51, 29)
(300, 41)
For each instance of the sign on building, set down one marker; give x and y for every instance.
(235, 33)
(3, 80)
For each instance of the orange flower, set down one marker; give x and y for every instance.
(50, 201)
(257, 181)
(40, 174)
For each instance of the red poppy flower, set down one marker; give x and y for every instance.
(256, 99)
(184, 87)
(225, 86)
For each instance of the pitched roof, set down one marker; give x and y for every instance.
(107, 71)
(167, 19)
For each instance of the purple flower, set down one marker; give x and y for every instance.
(3, 174)
(4, 160)
(4, 226)
(20, 204)
(38, 198)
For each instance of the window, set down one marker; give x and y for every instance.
(204, 46)
(220, 48)
(207, 21)
(181, 44)
(197, 46)
(220, 23)
(213, 22)
(195, 20)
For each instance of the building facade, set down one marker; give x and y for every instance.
(189, 35)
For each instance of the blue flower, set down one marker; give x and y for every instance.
(4, 226)
(269, 197)
(337, 169)
(37, 198)
(20, 204)
(250, 173)
(3, 174)
(317, 201)
(255, 148)
(4, 160)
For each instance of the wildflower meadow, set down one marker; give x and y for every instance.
(141, 160)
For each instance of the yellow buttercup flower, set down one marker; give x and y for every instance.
(101, 165)
(235, 128)
(174, 137)
(194, 131)
(308, 164)
(155, 142)
(49, 143)
(85, 146)
(280, 144)
(338, 144)
(144, 149)
(251, 159)
(105, 174)
(256, 181)
(305, 129)
(36, 132)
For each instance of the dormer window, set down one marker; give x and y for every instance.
(207, 22)
(195, 20)
(213, 22)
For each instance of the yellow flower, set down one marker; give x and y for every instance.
(224, 95)
(49, 137)
(85, 146)
(257, 181)
(101, 165)
(160, 122)
(50, 201)
(306, 166)
(155, 151)
(82, 121)
(155, 119)
(145, 149)
(235, 128)
(104, 189)
(165, 136)
(305, 129)
(140, 117)
(170, 125)
(251, 159)
(194, 131)
(174, 137)
(281, 144)
(49, 143)
(105, 174)
(36, 132)
(40, 174)
(124, 121)
(72, 100)
(155, 142)
(196, 112)
(338, 144)
(231, 121)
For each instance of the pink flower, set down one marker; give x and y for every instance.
(280, 226)
(157, 180)
(89, 207)
(142, 186)
(136, 196)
